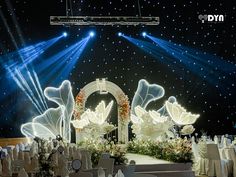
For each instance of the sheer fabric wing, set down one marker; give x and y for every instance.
(146, 93)
(36, 130)
(63, 97)
(51, 119)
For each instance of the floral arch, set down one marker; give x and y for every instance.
(103, 87)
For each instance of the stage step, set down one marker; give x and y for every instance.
(164, 170)
(164, 167)
(188, 173)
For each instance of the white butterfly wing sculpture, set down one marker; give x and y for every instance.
(145, 94)
(54, 121)
(33, 130)
(98, 117)
(179, 115)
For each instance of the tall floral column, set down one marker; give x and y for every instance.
(79, 109)
(123, 118)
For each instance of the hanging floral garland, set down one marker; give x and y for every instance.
(122, 102)
(123, 108)
(79, 104)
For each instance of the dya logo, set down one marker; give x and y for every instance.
(211, 18)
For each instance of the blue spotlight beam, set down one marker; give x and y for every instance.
(28, 54)
(57, 60)
(13, 16)
(208, 67)
(62, 63)
(26, 92)
(184, 59)
(75, 58)
(29, 82)
(157, 54)
(211, 60)
(8, 29)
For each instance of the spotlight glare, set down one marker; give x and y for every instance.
(119, 34)
(64, 34)
(144, 34)
(91, 33)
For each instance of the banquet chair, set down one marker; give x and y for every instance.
(200, 160)
(81, 174)
(216, 166)
(17, 165)
(86, 159)
(105, 155)
(107, 164)
(129, 170)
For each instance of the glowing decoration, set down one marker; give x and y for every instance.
(187, 130)
(163, 110)
(144, 34)
(54, 121)
(179, 115)
(33, 130)
(146, 93)
(120, 34)
(94, 123)
(91, 33)
(150, 124)
(103, 86)
(65, 34)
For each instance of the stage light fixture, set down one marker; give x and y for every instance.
(91, 33)
(65, 34)
(144, 34)
(120, 34)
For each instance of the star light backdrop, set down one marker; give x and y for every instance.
(193, 61)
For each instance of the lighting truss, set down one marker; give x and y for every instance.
(103, 20)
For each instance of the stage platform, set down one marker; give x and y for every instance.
(160, 168)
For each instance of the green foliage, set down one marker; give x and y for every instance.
(97, 147)
(175, 150)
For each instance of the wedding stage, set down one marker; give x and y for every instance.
(157, 149)
(161, 168)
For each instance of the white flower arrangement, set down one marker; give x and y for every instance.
(150, 125)
(94, 123)
(187, 130)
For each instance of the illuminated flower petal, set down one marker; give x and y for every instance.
(179, 115)
(187, 130)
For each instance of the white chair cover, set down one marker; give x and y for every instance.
(20, 155)
(15, 153)
(27, 161)
(129, 170)
(22, 173)
(119, 174)
(217, 167)
(62, 165)
(107, 164)
(101, 172)
(17, 165)
(6, 166)
(216, 140)
(0, 168)
(86, 159)
(200, 158)
(193, 139)
(10, 152)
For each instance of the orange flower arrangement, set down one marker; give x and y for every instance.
(123, 107)
(79, 104)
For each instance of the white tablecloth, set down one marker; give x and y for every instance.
(229, 154)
